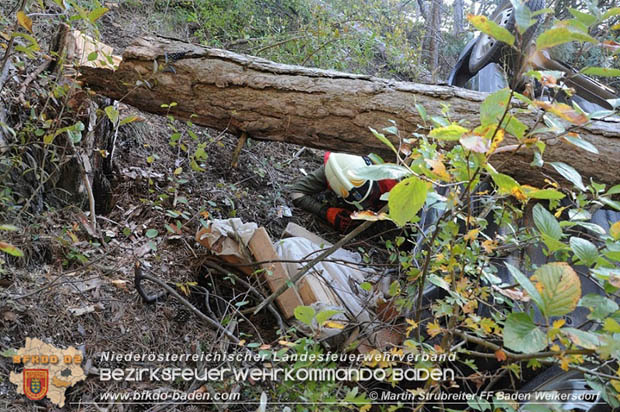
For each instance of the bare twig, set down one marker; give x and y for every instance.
(240, 144)
(518, 356)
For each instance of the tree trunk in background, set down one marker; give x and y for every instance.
(318, 108)
(458, 17)
(433, 36)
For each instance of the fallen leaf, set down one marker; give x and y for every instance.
(119, 283)
(369, 215)
(500, 355)
(24, 20)
(333, 325)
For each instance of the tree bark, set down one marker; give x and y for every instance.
(318, 108)
(458, 17)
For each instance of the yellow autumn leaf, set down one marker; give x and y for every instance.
(438, 169)
(488, 324)
(554, 184)
(333, 325)
(412, 326)
(614, 230)
(472, 324)
(433, 329)
(558, 212)
(518, 194)
(472, 235)
(616, 385)
(499, 137)
(564, 363)
(489, 245)
(366, 408)
(557, 324)
(563, 111)
(24, 20)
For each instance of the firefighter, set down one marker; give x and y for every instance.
(337, 174)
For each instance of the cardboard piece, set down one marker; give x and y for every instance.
(294, 230)
(276, 275)
(220, 238)
(78, 46)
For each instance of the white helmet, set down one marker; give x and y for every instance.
(338, 171)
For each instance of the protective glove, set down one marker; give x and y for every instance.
(339, 218)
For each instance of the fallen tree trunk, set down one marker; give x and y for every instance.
(316, 108)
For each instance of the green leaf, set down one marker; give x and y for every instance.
(585, 250)
(383, 139)
(9, 228)
(582, 338)
(92, 56)
(128, 119)
(614, 11)
(492, 29)
(112, 114)
(325, 315)
(523, 16)
(611, 326)
(522, 335)
(600, 306)
(553, 37)
(505, 183)
(611, 203)
(559, 287)
(585, 18)
(584, 144)
(546, 223)
(304, 314)
(569, 173)
(601, 71)
(545, 194)
(367, 286)
(614, 190)
(526, 284)
(380, 172)
(561, 35)
(422, 111)
(151, 233)
(10, 249)
(515, 127)
(406, 199)
(494, 106)
(97, 13)
(451, 132)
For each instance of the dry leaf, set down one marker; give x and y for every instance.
(512, 293)
(24, 20)
(119, 283)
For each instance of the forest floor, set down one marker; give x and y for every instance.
(72, 290)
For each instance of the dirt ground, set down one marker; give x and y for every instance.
(73, 290)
